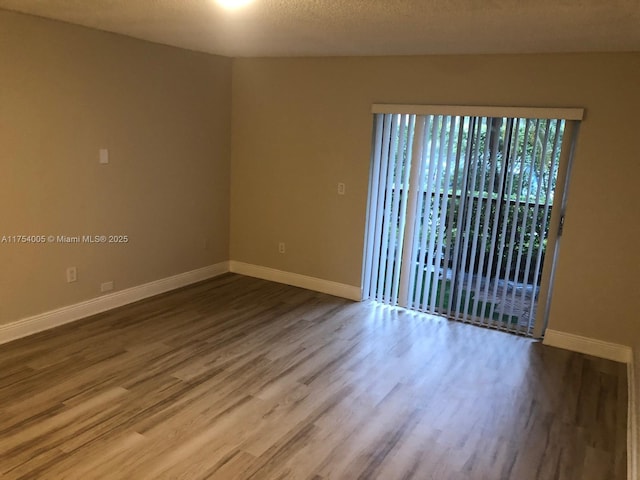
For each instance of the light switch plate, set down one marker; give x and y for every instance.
(104, 156)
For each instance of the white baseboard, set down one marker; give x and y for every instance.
(310, 283)
(590, 346)
(633, 444)
(71, 313)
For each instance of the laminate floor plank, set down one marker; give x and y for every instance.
(239, 378)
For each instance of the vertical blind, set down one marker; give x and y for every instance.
(459, 214)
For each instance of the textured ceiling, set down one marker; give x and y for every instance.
(360, 27)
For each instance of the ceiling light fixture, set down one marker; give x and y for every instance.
(233, 4)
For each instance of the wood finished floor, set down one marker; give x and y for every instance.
(238, 378)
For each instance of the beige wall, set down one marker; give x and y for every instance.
(164, 113)
(300, 126)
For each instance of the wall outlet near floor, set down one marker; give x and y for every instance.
(72, 274)
(342, 188)
(281, 247)
(106, 286)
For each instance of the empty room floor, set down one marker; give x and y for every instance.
(239, 378)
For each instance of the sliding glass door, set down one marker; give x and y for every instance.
(460, 214)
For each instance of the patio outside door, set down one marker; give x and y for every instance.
(464, 214)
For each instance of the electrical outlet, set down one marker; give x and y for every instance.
(281, 247)
(106, 286)
(72, 274)
(342, 188)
